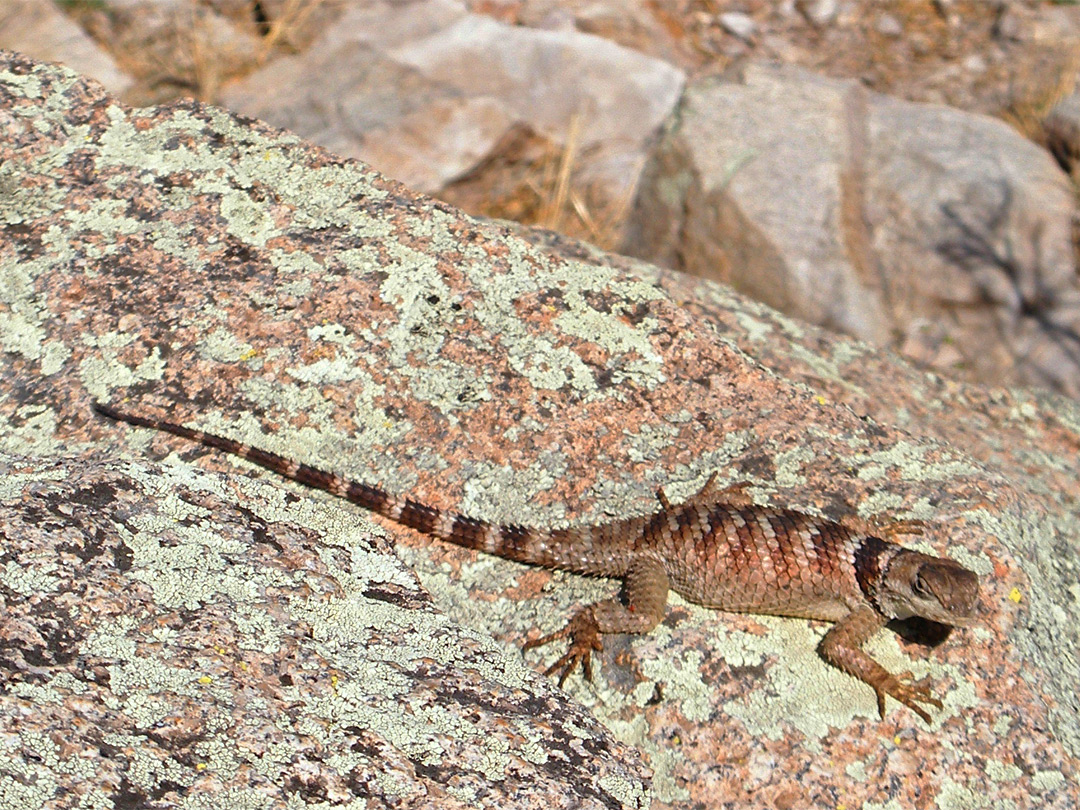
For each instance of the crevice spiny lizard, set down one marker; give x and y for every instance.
(717, 549)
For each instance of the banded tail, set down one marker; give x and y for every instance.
(575, 549)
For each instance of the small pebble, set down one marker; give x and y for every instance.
(888, 26)
(738, 25)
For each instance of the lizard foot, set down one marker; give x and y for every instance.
(899, 527)
(908, 691)
(584, 634)
(733, 495)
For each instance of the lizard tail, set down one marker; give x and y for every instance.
(519, 543)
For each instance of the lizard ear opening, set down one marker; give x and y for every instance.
(919, 586)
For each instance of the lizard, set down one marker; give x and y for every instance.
(717, 549)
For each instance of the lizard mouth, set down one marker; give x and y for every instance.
(964, 621)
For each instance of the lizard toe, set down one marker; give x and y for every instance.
(908, 691)
(584, 634)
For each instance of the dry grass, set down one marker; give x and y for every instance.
(533, 179)
(571, 210)
(282, 33)
(554, 188)
(191, 50)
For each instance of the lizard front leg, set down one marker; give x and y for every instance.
(645, 587)
(842, 647)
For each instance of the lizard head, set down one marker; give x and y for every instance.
(933, 588)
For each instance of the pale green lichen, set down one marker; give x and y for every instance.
(323, 196)
(550, 367)
(448, 387)
(224, 347)
(103, 216)
(802, 690)
(26, 789)
(37, 434)
(682, 676)
(48, 693)
(102, 372)
(910, 459)
(242, 798)
(13, 484)
(1047, 781)
(29, 580)
(626, 792)
(1003, 724)
(133, 674)
(54, 355)
(1002, 771)
(502, 494)
(857, 771)
(147, 769)
(21, 327)
(27, 85)
(952, 795)
(644, 443)
(682, 480)
(892, 804)
(42, 746)
(220, 754)
(791, 465)
(757, 330)
(247, 219)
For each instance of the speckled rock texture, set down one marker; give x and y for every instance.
(170, 633)
(180, 629)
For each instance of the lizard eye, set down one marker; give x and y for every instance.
(919, 586)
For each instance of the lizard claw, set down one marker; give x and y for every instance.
(584, 634)
(908, 691)
(883, 527)
(900, 527)
(734, 495)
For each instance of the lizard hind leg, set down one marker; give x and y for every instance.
(584, 635)
(732, 495)
(645, 588)
(883, 527)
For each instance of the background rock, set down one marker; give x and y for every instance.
(428, 93)
(1062, 131)
(939, 233)
(187, 263)
(442, 94)
(42, 31)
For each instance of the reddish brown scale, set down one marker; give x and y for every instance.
(417, 516)
(826, 550)
(743, 550)
(717, 549)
